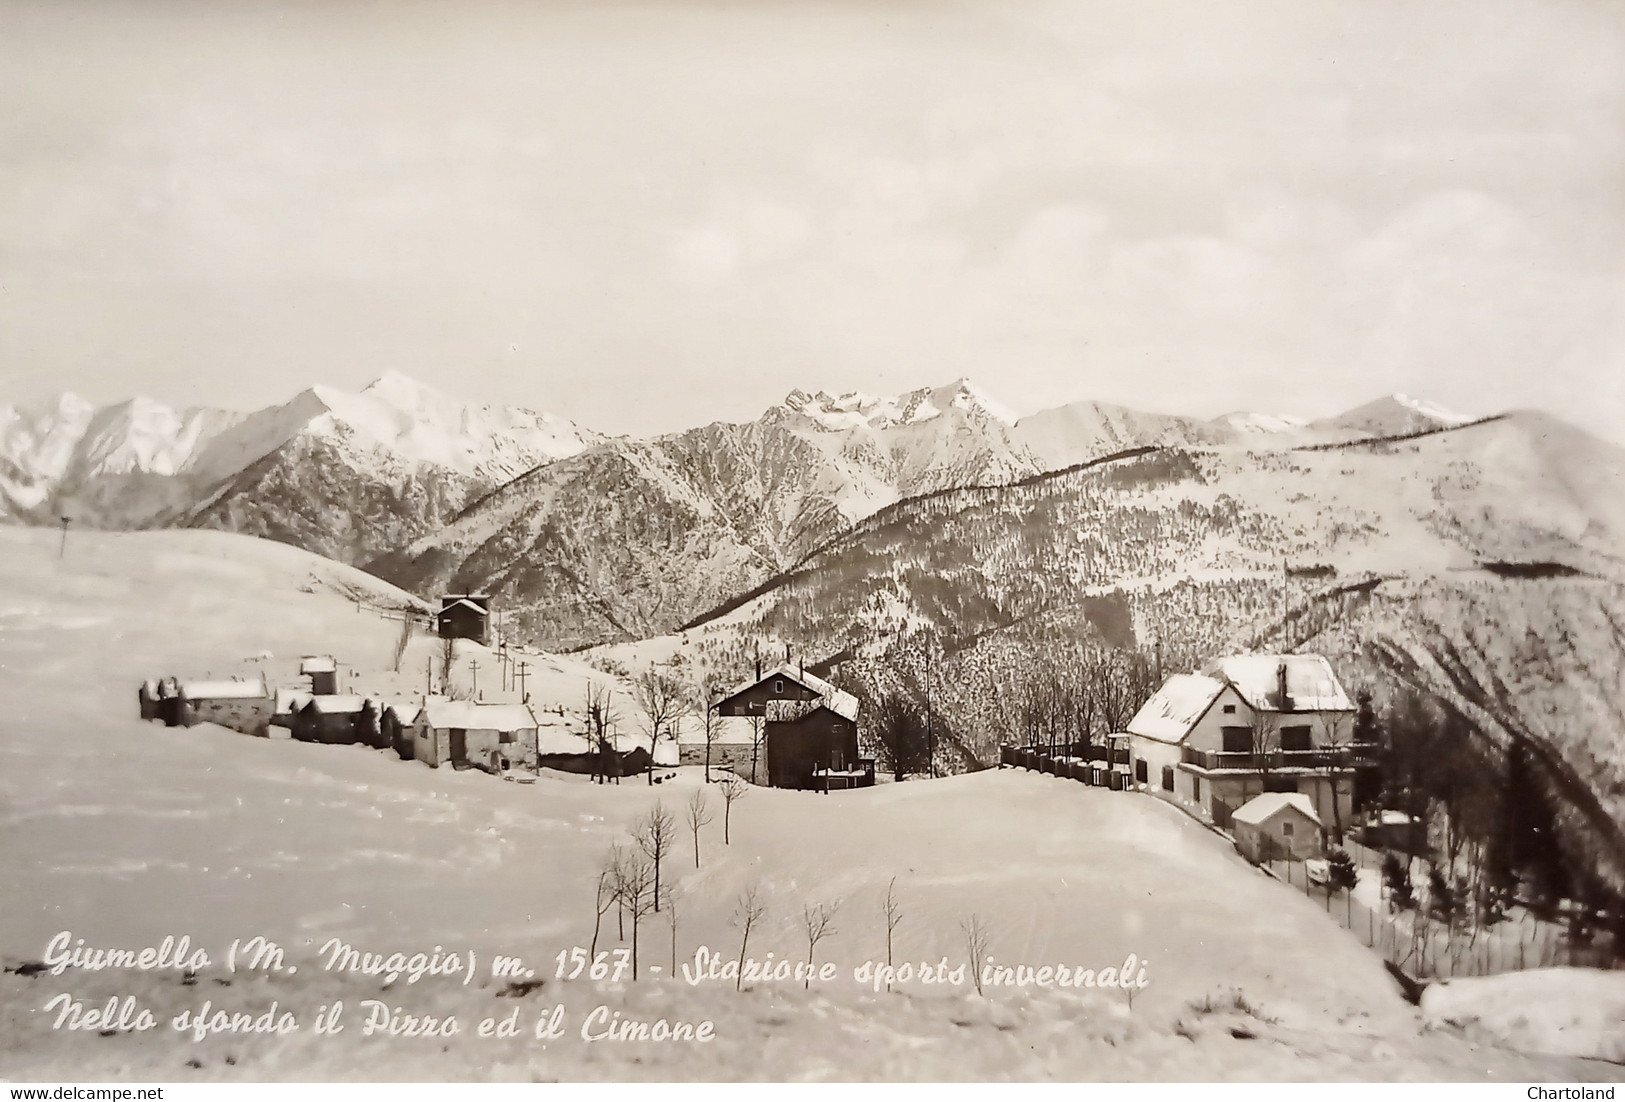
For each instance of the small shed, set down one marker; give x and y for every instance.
(1278, 825)
(465, 616)
(464, 733)
(151, 703)
(331, 719)
(240, 705)
(323, 671)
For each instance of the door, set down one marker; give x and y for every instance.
(459, 746)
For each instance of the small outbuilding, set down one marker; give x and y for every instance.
(339, 720)
(240, 705)
(465, 616)
(323, 671)
(1278, 825)
(466, 733)
(151, 704)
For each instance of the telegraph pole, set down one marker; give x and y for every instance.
(62, 549)
(524, 697)
(474, 671)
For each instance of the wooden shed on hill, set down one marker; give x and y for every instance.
(465, 616)
(332, 719)
(464, 733)
(810, 729)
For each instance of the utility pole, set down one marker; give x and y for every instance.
(524, 697)
(62, 549)
(474, 670)
(428, 676)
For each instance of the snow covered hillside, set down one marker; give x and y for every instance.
(124, 832)
(327, 470)
(1471, 563)
(633, 537)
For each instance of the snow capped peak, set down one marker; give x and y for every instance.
(856, 409)
(1248, 422)
(1431, 410)
(405, 393)
(1396, 415)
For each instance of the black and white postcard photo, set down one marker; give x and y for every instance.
(811, 541)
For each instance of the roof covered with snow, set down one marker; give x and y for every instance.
(1261, 809)
(472, 715)
(317, 663)
(336, 705)
(223, 690)
(289, 701)
(1174, 709)
(1310, 683)
(842, 703)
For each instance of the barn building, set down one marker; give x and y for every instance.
(339, 720)
(240, 705)
(809, 730)
(466, 734)
(465, 616)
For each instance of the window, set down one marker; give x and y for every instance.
(778, 688)
(505, 736)
(1167, 778)
(1295, 738)
(1140, 771)
(1196, 789)
(1237, 740)
(1229, 709)
(1286, 830)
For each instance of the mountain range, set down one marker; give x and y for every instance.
(583, 536)
(346, 475)
(1480, 560)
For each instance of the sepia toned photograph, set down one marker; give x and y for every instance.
(841, 541)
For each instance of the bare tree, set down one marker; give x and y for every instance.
(605, 898)
(748, 911)
(733, 789)
(601, 720)
(671, 917)
(1339, 734)
(819, 922)
(756, 728)
(664, 700)
(403, 639)
(708, 693)
(977, 939)
(698, 815)
(893, 911)
(448, 660)
(655, 833)
(639, 896)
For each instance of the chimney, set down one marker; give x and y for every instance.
(787, 654)
(1280, 675)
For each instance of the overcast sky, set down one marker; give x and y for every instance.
(650, 215)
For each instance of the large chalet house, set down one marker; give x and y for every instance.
(810, 729)
(1247, 725)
